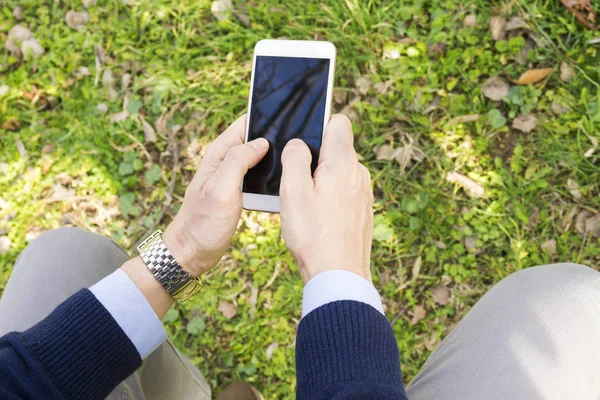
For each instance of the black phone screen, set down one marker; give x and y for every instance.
(288, 101)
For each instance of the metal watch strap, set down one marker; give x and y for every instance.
(165, 268)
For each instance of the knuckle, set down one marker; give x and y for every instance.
(235, 155)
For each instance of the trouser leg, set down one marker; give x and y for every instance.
(535, 335)
(61, 262)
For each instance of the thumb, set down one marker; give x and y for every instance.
(238, 160)
(296, 175)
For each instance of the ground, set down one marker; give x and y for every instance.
(469, 188)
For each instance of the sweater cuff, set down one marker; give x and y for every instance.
(83, 348)
(346, 341)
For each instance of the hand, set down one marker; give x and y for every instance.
(206, 222)
(327, 221)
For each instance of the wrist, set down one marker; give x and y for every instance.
(153, 291)
(180, 244)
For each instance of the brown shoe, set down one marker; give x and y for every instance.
(240, 391)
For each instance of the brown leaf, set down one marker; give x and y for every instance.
(19, 33)
(271, 349)
(125, 81)
(525, 124)
(18, 13)
(470, 21)
(498, 27)
(382, 87)
(573, 188)
(149, 133)
(462, 119)
(76, 20)
(522, 58)
(5, 244)
(118, 117)
(384, 152)
(549, 247)
(241, 13)
(532, 76)
(472, 188)
(566, 72)
(418, 314)
(495, 88)
(103, 108)
(49, 148)
(221, 9)
(12, 125)
(592, 226)
(516, 23)
(568, 219)
(339, 96)
(583, 216)
(470, 243)
(228, 309)
(416, 269)
(441, 295)
(583, 12)
(21, 147)
(363, 84)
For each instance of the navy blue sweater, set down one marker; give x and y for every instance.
(344, 350)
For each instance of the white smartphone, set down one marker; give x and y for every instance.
(290, 97)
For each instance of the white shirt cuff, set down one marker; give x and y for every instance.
(128, 306)
(337, 285)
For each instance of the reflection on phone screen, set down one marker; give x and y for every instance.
(288, 101)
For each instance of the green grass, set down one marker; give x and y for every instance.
(184, 61)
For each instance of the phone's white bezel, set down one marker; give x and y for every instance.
(287, 48)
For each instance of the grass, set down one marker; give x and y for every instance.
(193, 71)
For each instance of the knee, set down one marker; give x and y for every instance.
(68, 240)
(554, 282)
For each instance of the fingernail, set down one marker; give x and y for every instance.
(259, 144)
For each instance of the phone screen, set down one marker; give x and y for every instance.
(288, 101)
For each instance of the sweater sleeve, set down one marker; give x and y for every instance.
(347, 350)
(78, 352)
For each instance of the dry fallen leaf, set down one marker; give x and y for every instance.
(21, 148)
(522, 57)
(532, 76)
(495, 88)
(470, 243)
(591, 151)
(566, 72)
(18, 13)
(363, 84)
(580, 223)
(441, 295)
(48, 148)
(568, 219)
(339, 96)
(103, 108)
(418, 314)
(118, 117)
(5, 244)
(593, 41)
(573, 188)
(498, 27)
(4, 89)
(416, 269)
(525, 124)
(592, 226)
(470, 21)
(271, 349)
(462, 119)
(221, 9)
(19, 33)
(149, 132)
(76, 20)
(382, 87)
(227, 309)
(472, 188)
(88, 3)
(384, 152)
(125, 81)
(583, 12)
(549, 247)
(516, 23)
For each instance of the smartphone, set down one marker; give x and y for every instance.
(290, 97)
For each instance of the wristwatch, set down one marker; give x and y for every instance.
(165, 268)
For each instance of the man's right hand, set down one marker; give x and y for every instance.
(327, 220)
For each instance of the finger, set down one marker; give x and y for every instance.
(296, 160)
(238, 160)
(234, 135)
(338, 142)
